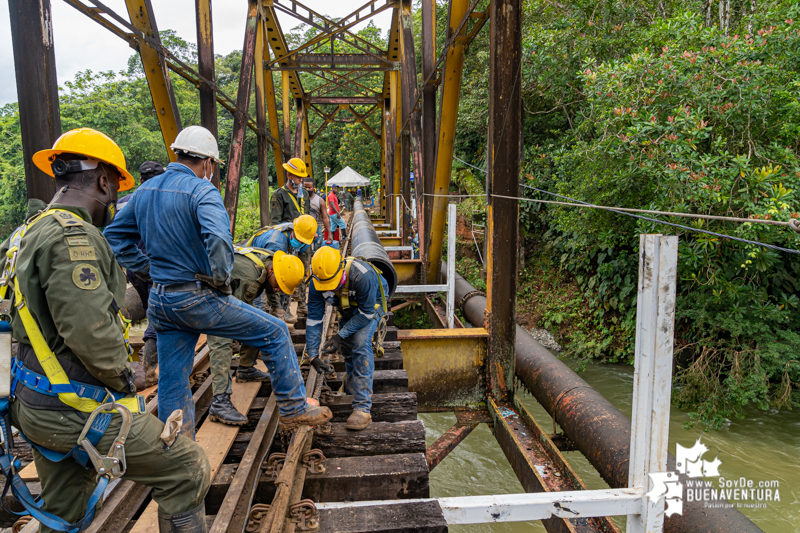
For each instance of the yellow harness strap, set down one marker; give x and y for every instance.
(294, 199)
(47, 359)
(252, 254)
(344, 292)
(259, 232)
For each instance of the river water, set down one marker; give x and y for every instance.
(763, 447)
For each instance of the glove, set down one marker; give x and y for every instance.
(332, 346)
(321, 366)
(138, 376)
(224, 288)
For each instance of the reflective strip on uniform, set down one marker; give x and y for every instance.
(310, 322)
(360, 267)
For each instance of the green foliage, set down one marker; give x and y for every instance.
(359, 150)
(412, 317)
(12, 172)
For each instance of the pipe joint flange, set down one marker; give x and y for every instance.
(470, 294)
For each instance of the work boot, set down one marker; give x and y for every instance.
(313, 417)
(278, 312)
(358, 420)
(149, 360)
(193, 521)
(222, 410)
(250, 373)
(289, 317)
(302, 308)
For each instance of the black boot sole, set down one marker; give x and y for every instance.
(240, 380)
(216, 418)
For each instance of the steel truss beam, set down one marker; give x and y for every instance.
(502, 226)
(336, 28)
(436, 206)
(155, 69)
(239, 121)
(134, 37)
(37, 88)
(205, 66)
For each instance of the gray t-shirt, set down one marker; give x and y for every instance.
(317, 207)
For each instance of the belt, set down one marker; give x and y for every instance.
(178, 287)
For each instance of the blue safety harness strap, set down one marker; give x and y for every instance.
(33, 506)
(41, 384)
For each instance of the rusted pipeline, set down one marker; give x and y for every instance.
(598, 429)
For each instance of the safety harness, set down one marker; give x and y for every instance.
(99, 401)
(344, 297)
(253, 254)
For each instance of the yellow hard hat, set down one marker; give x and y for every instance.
(88, 143)
(288, 270)
(297, 167)
(305, 228)
(327, 268)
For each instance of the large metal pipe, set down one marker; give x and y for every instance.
(598, 429)
(364, 242)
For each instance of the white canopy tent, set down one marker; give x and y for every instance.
(348, 177)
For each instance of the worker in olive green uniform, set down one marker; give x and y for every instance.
(254, 271)
(69, 283)
(286, 204)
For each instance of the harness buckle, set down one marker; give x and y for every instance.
(112, 465)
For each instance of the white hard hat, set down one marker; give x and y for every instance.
(197, 141)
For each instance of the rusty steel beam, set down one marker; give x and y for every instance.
(286, 104)
(261, 76)
(37, 88)
(539, 465)
(348, 100)
(235, 156)
(600, 431)
(155, 69)
(205, 66)
(339, 26)
(336, 59)
(411, 116)
(384, 129)
(393, 49)
(435, 207)
(445, 444)
(502, 227)
(298, 129)
(429, 117)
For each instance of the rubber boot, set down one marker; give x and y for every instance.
(358, 420)
(250, 373)
(222, 410)
(149, 360)
(193, 521)
(313, 417)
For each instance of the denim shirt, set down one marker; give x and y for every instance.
(366, 304)
(183, 224)
(277, 238)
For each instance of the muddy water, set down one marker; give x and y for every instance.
(764, 446)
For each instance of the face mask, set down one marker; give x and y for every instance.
(297, 245)
(211, 177)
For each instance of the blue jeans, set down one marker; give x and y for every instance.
(359, 364)
(180, 318)
(337, 222)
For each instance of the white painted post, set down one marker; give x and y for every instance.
(451, 265)
(652, 382)
(397, 210)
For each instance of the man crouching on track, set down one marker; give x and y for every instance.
(357, 289)
(73, 356)
(186, 230)
(254, 271)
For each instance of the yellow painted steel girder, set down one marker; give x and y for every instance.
(382, 195)
(407, 269)
(277, 42)
(265, 92)
(451, 88)
(445, 366)
(396, 111)
(155, 69)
